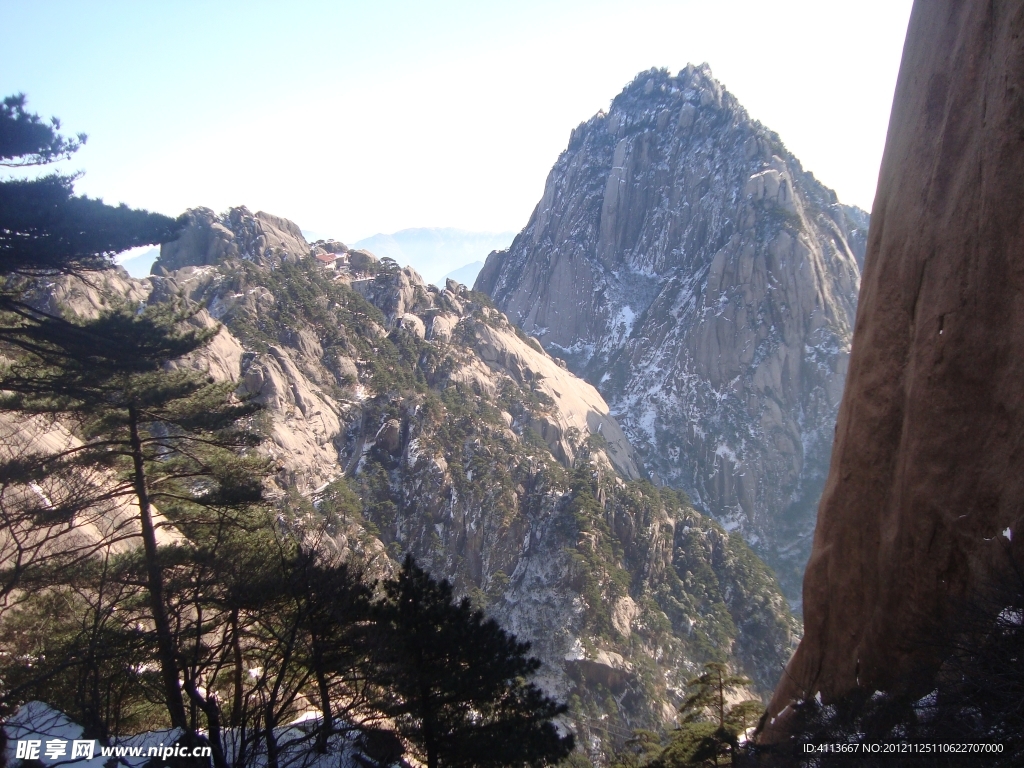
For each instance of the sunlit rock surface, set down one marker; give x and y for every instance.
(685, 262)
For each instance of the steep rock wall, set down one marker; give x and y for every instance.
(683, 261)
(924, 502)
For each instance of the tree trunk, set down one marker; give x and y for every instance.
(429, 736)
(155, 586)
(327, 725)
(269, 737)
(721, 701)
(238, 672)
(210, 708)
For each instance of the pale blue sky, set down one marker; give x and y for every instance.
(354, 117)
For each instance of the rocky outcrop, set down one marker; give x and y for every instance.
(683, 261)
(210, 239)
(578, 405)
(924, 504)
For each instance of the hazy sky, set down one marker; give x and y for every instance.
(359, 117)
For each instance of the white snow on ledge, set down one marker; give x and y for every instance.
(37, 721)
(41, 722)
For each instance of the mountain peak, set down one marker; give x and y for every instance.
(683, 261)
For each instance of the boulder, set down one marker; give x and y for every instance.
(389, 436)
(413, 325)
(204, 240)
(441, 327)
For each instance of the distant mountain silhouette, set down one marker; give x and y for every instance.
(466, 274)
(436, 252)
(139, 265)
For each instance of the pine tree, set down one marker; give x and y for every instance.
(709, 727)
(300, 619)
(148, 432)
(44, 228)
(335, 609)
(456, 684)
(46, 231)
(642, 748)
(162, 435)
(709, 691)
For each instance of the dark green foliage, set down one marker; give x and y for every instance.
(146, 432)
(707, 701)
(303, 297)
(147, 435)
(710, 729)
(44, 228)
(640, 749)
(485, 466)
(691, 602)
(695, 744)
(342, 320)
(481, 298)
(576, 760)
(338, 503)
(598, 556)
(302, 621)
(78, 647)
(26, 140)
(69, 365)
(380, 503)
(719, 581)
(456, 684)
(189, 427)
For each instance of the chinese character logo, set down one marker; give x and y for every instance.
(56, 748)
(83, 749)
(28, 749)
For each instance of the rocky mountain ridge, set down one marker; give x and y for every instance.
(684, 261)
(406, 418)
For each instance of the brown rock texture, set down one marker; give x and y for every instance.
(924, 502)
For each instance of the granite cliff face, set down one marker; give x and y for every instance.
(924, 504)
(682, 260)
(407, 418)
